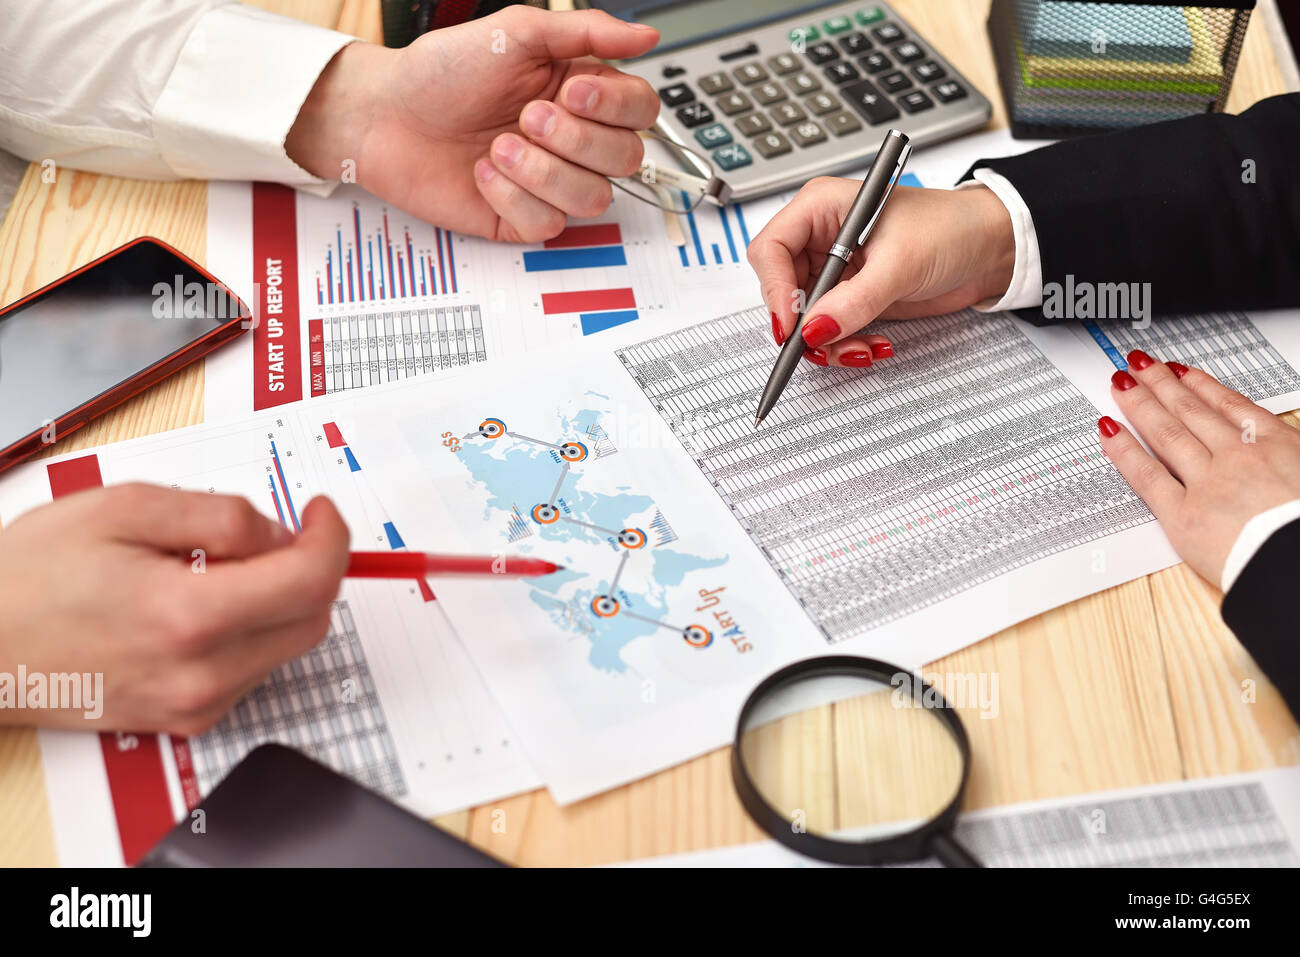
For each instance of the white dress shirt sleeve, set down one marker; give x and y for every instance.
(1026, 287)
(158, 89)
(1252, 537)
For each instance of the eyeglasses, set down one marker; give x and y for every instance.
(661, 181)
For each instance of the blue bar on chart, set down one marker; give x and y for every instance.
(709, 228)
(579, 247)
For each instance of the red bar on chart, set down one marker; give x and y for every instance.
(133, 763)
(587, 300)
(594, 234)
(333, 436)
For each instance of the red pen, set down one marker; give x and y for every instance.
(421, 565)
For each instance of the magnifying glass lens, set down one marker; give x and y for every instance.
(851, 758)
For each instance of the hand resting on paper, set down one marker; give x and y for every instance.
(1219, 460)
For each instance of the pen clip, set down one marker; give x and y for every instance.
(893, 181)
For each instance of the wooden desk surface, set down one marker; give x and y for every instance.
(1136, 685)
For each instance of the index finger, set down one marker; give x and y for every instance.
(285, 585)
(773, 253)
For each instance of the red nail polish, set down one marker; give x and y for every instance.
(815, 356)
(1140, 360)
(777, 332)
(1109, 427)
(881, 350)
(1123, 381)
(820, 330)
(1178, 369)
(856, 359)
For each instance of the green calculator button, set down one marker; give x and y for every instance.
(713, 135)
(804, 35)
(870, 15)
(837, 25)
(732, 157)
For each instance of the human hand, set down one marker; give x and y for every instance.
(1219, 460)
(499, 127)
(932, 251)
(105, 581)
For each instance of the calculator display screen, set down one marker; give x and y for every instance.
(689, 21)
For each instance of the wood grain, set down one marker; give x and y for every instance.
(1135, 685)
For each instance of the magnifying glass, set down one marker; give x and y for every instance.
(853, 761)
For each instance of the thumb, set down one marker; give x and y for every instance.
(570, 34)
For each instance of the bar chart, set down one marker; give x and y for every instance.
(713, 235)
(333, 436)
(596, 309)
(371, 258)
(579, 247)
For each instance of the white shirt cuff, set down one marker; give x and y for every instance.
(235, 92)
(1026, 287)
(1255, 533)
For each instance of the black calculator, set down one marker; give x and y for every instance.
(775, 93)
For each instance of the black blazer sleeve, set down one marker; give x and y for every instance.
(1166, 204)
(1260, 610)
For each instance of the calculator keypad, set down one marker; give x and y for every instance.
(733, 103)
(772, 144)
(815, 92)
(694, 114)
(841, 73)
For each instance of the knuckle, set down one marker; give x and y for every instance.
(1145, 474)
(633, 157)
(196, 692)
(1186, 407)
(1169, 434)
(598, 200)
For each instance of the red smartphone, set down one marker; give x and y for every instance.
(85, 343)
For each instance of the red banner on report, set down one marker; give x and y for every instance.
(137, 783)
(277, 355)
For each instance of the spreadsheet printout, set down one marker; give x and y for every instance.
(902, 512)
(1240, 820)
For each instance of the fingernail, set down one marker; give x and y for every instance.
(280, 534)
(1123, 381)
(1109, 427)
(582, 95)
(1177, 368)
(1139, 360)
(641, 26)
(484, 171)
(856, 359)
(538, 119)
(820, 330)
(777, 332)
(881, 350)
(508, 150)
(815, 356)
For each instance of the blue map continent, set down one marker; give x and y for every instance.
(519, 475)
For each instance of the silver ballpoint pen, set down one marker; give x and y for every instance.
(870, 202)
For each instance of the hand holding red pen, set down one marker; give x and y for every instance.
(182, 600)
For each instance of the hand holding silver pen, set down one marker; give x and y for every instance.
(876, 189)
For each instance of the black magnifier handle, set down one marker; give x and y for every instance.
(946, 848)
